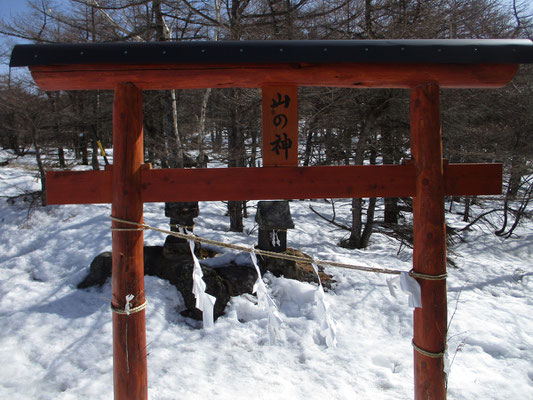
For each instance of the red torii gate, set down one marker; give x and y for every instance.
(278, 68)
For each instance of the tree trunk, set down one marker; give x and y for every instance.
(391, 203)
(60, 151)
(253, 155)
(83, 149)
(235, 159)
(329, 142)
(95, 128)
(177, 159)
(14, 144)
(368, 19)
(391, 210)
(61, 157)
(40, 166)
(235, 216)
(355, 241)
(466, 215)
(169, 102)
(517, 167)
(201, 127)
(94, 154)
(308, 147)
(369, 224)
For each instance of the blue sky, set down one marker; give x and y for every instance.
(8, 10)
(10, 7)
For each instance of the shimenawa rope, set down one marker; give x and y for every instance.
(283, 256)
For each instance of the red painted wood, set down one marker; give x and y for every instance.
(276, 183)
(197, 76)
(129, 333)
(280, 126)
(78, 187)
(472, 179)
(429, 254)
(85, 187)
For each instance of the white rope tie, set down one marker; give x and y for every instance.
(123, 311)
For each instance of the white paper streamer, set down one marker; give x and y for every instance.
(327, 324)
(274, 238)
(409, 285)
(204, 302)
(127, 307)
(266, 303)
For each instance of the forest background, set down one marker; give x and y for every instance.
(185, 128)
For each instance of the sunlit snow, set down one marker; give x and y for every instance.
(55, 340)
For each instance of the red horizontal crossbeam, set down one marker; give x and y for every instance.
(268, 183)
(198, 76)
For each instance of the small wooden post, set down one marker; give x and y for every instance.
(273, 219)
(182, 214)
(429, 256)
(129, 333)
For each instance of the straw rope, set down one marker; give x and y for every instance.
(427, 353)
(428, 277)
(272, 254)
(265, 253)
(133, 310)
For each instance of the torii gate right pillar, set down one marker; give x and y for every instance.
(429, 255)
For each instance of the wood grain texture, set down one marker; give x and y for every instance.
(129, 331)
(271, 183)
(78, 187)
(472, 179)
(198, 76)
(429, 251)
(212, 184)
(280, 126)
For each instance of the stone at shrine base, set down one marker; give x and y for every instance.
(232, 280)
(300, 271)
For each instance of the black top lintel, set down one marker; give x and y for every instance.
(442, 51)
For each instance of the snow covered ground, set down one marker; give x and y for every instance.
(55, 340)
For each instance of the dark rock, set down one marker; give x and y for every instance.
(238, 279)
(101, 266)
(153, 260)
(175, 247)
(189, 162)
(300, 271)
(99, 271)
(177, 270)
(221, 282)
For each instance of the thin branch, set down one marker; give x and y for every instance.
(480, 216)
(128, 5)
(331, 221)
(95, 4)
(203, 15)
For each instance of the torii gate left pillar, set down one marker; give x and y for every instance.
(129, 333)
